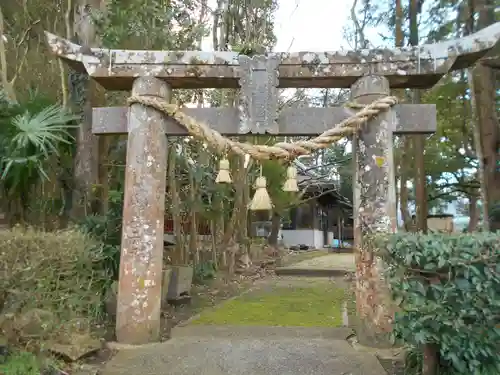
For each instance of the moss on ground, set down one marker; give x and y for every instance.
(317, 305)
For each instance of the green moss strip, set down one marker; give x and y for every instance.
(315, 306)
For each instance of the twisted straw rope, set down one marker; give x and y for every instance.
(280, 150)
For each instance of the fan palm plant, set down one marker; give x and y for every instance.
(31, 133)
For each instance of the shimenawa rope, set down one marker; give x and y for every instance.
(280, 150)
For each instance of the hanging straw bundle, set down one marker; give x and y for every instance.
(223, 177)
(291, 180)
(261, 200)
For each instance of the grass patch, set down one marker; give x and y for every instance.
(315, 306)
(20, 363)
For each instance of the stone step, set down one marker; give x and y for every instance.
(330, 265)
(228, 331)
(341, 250)
(197, 355)
(311, 272)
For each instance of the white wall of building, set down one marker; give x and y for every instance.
(310, 237)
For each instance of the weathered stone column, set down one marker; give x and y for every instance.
(374, 211)
(139, 292)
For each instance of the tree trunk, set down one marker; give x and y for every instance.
(103, 174)
(219, 230)
(213, 238)
(243, 220)
(275, 229)
(193, 235)
(178, 256)
(85, 94)
(430, 349)
(473, 212)
(405, 158)
(4, 78)
(231, 236)
(430, 360)
(403, 192)
(487, 134)
(418, 139)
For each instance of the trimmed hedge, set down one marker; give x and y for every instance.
(448, 289)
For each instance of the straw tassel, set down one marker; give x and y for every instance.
(223, 177)
(291, 180)
(261, 200)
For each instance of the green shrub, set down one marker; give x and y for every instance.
(51, 278)
(204, 271)
(107, 230)
(34, 136)
(448, 287)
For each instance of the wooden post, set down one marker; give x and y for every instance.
(374, 211)
(139, 292)
(339, 229)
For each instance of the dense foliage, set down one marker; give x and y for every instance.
(448, 287)
(34, 140)
(107, 230)
(54, 274)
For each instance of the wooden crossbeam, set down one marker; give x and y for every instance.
(409, 67)
(412, 118)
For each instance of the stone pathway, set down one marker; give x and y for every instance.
(329, 265)
(201, 355)
(250, 349)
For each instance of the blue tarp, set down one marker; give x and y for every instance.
(336, 244)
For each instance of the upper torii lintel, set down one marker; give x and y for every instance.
(409, 67)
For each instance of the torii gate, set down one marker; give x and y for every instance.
(369, 73)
